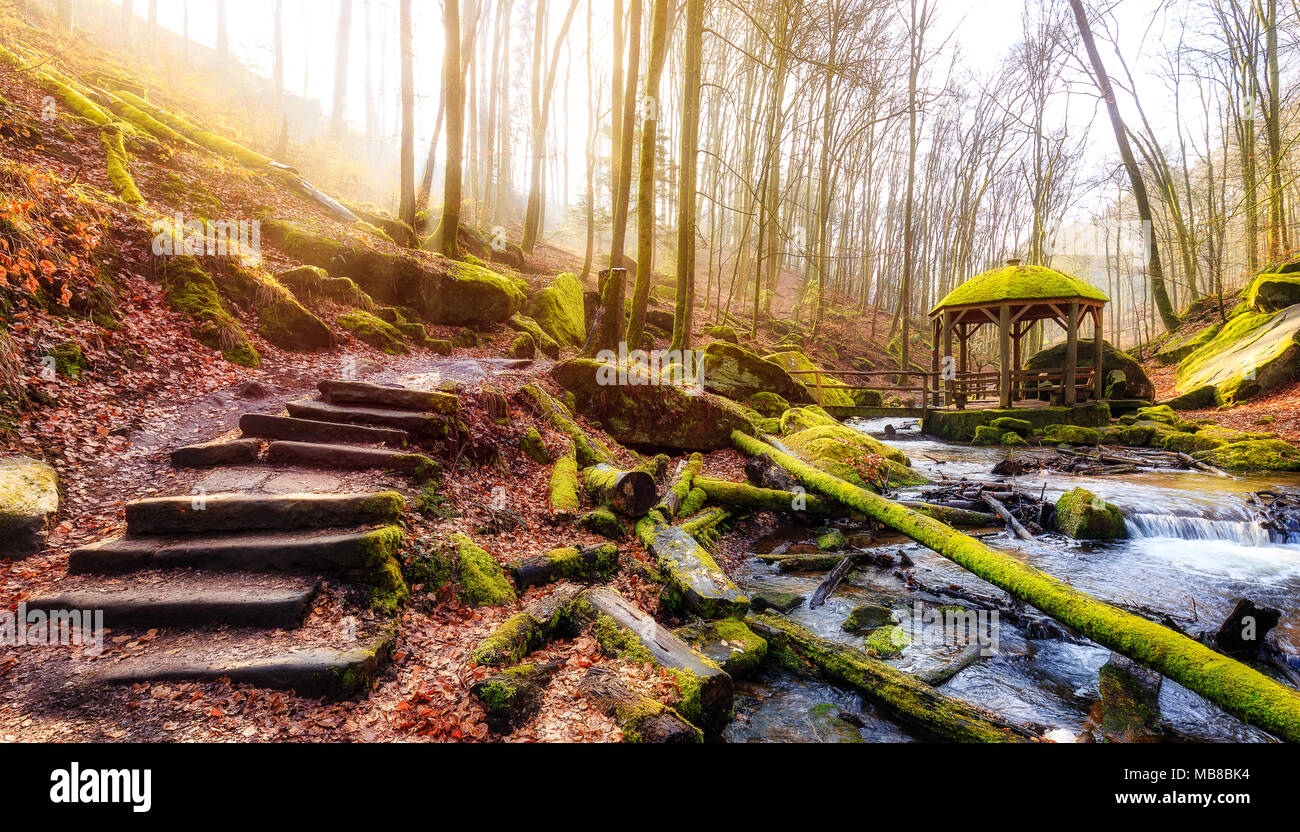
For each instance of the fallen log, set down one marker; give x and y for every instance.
(762, 472)
(1238, 689)
(910, 700)
(1001, 511)
(590, 451)
(830, 583)
(630, 493)
(740, 495)
(642, 719)
(528, 630)
(973, 654)
(959, 517)
(625, 630)
(679, 486)
(693, 577)
(1201, 466)
(823, 563)
(591, 564)
(513, 695)
(564, 485)
(705, 522)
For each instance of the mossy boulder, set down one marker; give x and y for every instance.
(29, 501)
(523, 347)
(830, 725)
(524, 324)
(832, 541)
(723, 333)
(1014, 440)
(374, 331)
(867, 398)
(1253, 353)
(1071, 435)
(635, 408)
(822, 388)
(987, 435)
(867, 617)
(1163, 414)
(1137, 384)
(768, 404)
(837, 450)
(1176, 349)
(771, 599)
(1260, 455)
(441, 291)
(191, 291)
(559, 311)
(603, 522)
(735, 372)
(1007, 423)
(888, 642)
(286, 323)
(1201, 398)
(483, 582)
(534, 447)
(1272, 292)
(1082, 515)
(800, 419)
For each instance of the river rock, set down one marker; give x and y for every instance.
(1082, 515)
(651, 411)
(1130, 701)
(29, 500)
(1261, 455)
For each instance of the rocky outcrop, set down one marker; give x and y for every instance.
(560, 312)
(29, 499)
(1254, 352)
(637, 409)
(1137, 384)
(738, 374)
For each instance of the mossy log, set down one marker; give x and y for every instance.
(590, 564)
(642, 719)
(527, 630)
(958, 517)
(1238, 689)
(630, 493)
(625, 630)
(680, 486)
(827, 561)
(911, 700)
(564, 484)
(693, 577)
(741, 495)
(513, 695)
(590, 451)
(705, 521)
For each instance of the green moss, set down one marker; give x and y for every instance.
(1272, 292)
(373, 331)
(888, 642)
(389, 592)
(694, 501)
(564, 484)
(1071, 435)
(824, 389)
(560, 312)
(829, 726)
(571, 563)
(802, 418)
(1261, 455)
(69, 361)
(867, 617)
(499, 693)
(1085, 516)
(987, 435)
(1020, 426)
(832, 541)
(524, 324)
(534, 447)
(1020, 283)
(723, 333)
(482, 580)
(1253, 353)
(769, 404)
(74, 100)
(191, 291)
(211, 141)
(733, 646)
(119, 165)
(603, 522)
(523, 347)
(835, 448)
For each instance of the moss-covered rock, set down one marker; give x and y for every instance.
(603, 522)
(738, 374)
(1253, 353)
(831, 541)
(1007, 423)
(1161, 413)
(1201, 398)
(524, 324)
(888, 642)
(836, 448)
(829, 725)
(1138, 385)
(1014, 440)
(723, 333)
(867, 617)
(799, 419)
(29, 501)
(1261, 455)
(635, 411)
(867, 398)
(523, 347)
(374, 331)
(1071, 435)
(534, 447)
(192, 292)
(769, 404)
(824, 389)
(1176, 349)
(1082, 515)
(772, 599)
(483, 582)
(559, 311)
(987, 435)
(1272, 292)
(441, 291)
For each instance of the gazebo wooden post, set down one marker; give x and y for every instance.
(1099, 351)
(1016, 335)
(934, 361)
(950, 387)
(1004, 344)
(1071, 355)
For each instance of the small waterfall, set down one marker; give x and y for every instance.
(1243, 530)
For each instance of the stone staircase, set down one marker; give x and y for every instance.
(230, 580)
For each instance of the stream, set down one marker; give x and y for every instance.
(1192, 550)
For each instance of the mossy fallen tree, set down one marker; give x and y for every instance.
(642, 719)
(564, 484)
(513, 695)
(680, 486)
(959, 517)
(1239, 690)
(591, 564)
(118, 164)
(740, 495)
(694, 579)
(910, 699)
(590, 451)
(630, 493)
(526, 631)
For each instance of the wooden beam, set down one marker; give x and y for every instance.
(1004, 343)
(1071, 393)
(950, 390)
(1099, 351)
(934, 361)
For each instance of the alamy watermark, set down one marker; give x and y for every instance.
(177, 236)
(654, 368)
(53, 628)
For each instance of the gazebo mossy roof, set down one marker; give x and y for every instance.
(1020, 283)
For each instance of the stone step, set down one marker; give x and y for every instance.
(355, 392)
(417, 424)
(331, 671)
(345, 457)
(193, 599)
(305, 430)
(252, 512)
(306, 551)
(210, 454)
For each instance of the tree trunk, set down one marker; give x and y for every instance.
(407, 209)
(454, 84)
(690, 143)
(541, 119)
(342, 51)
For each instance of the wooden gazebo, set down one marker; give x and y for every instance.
(1013, 299)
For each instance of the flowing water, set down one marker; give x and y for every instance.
(1193, 549)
